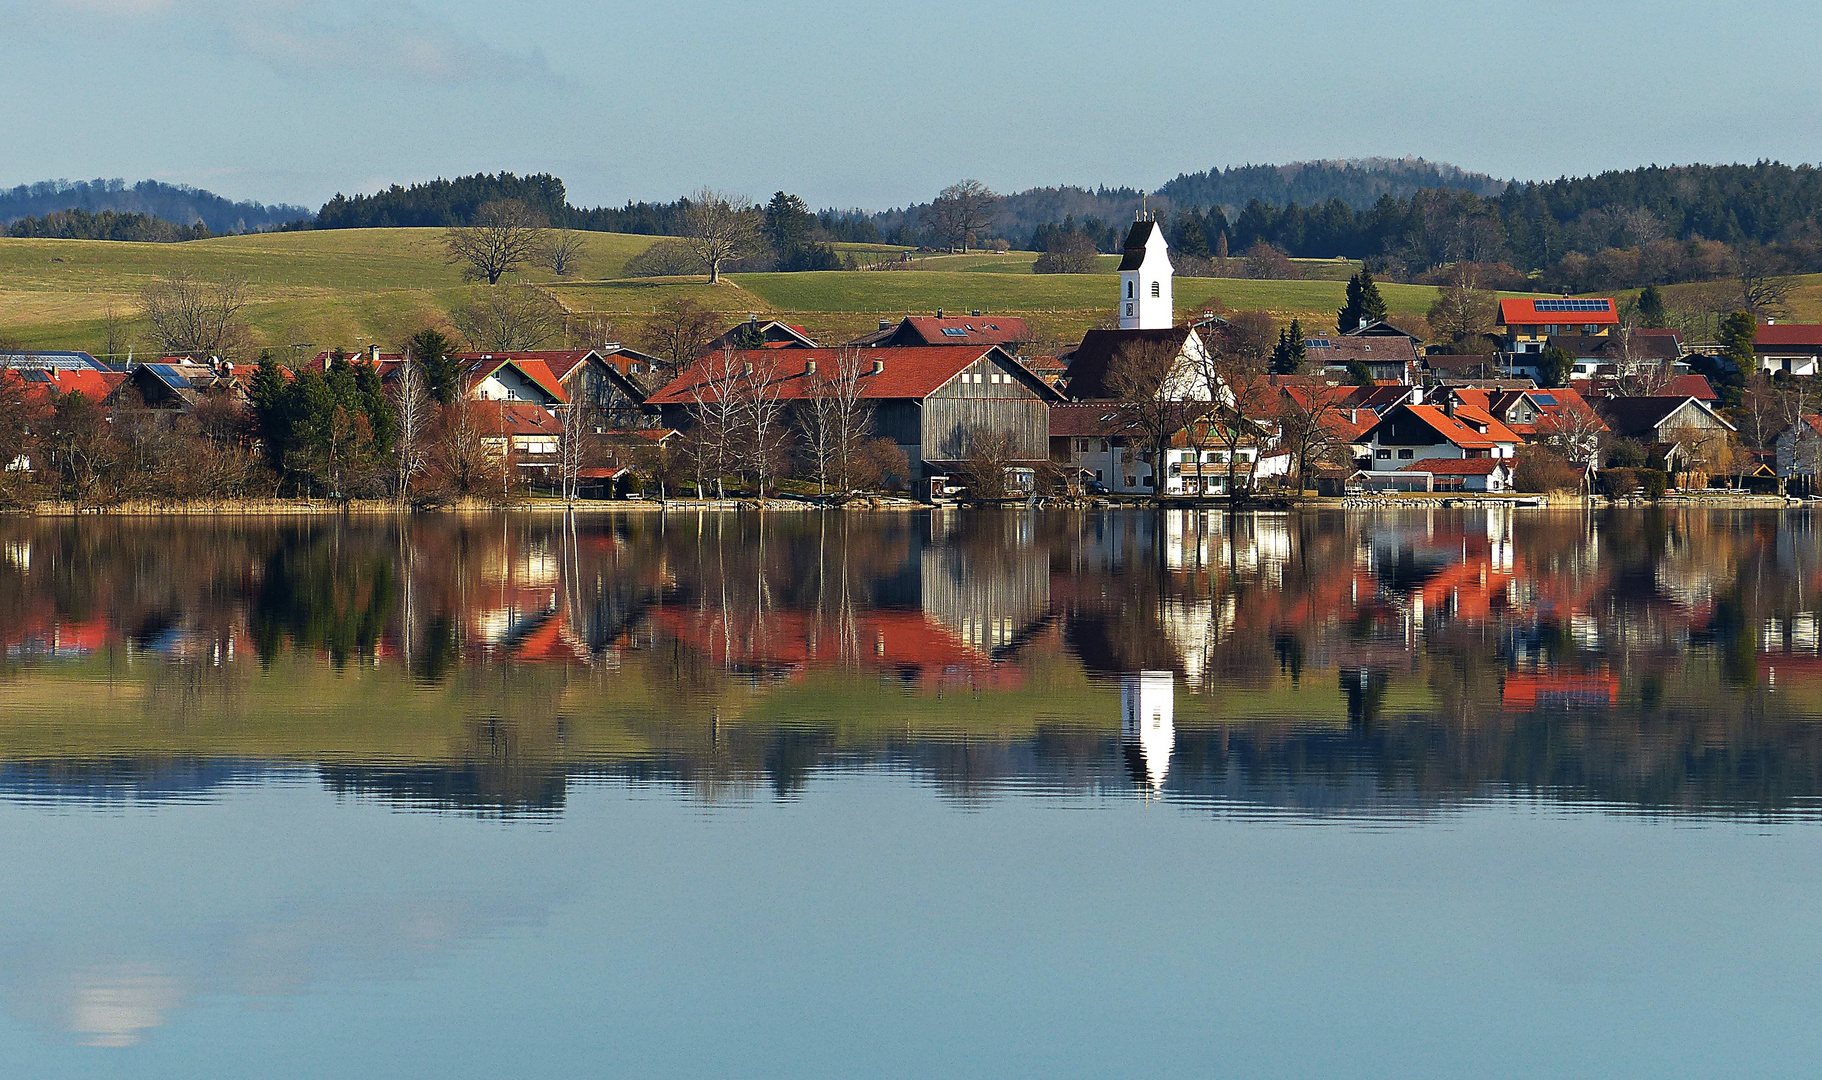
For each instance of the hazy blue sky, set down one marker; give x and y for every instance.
(879, 104)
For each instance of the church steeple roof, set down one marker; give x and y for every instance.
(1136, 239)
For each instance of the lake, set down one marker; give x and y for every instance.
(1424, 794)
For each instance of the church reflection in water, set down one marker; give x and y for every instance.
(1320, 662)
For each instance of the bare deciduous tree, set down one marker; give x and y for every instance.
(562, 252)
(761, 394)
(1143, 376)
(679, 331)
(1762, 292)
(720, 228)
(717, 411)
(1464, 311)
(509, 319)
(960, 211)
(1638, 375)
(572, 441)
(416, 409)
(1232, 368)
(505, 235)
(833, 421)
(193, 315)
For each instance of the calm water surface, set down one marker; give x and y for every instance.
(1442, 794)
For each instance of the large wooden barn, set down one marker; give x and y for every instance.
(929, 400)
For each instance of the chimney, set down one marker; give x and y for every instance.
(374, 352)
(1448, 404)
(885, 324)
(753, 318)
(939, 313)
(879, 367)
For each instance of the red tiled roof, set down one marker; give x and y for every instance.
(496, 419)
(914, 372)
(93, 385)
(1474, 466)
(1453, 429)
(1522, 311)
(1804, 334)
(985, 330)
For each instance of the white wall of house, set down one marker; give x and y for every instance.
(1793, 363)
(508, 384)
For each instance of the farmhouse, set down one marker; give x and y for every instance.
(1387, 358)
(931, 401)
(1409, 433)
(1684, 431)
(1531, 323)
(1791, 348)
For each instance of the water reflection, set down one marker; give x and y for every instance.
(1319, 664)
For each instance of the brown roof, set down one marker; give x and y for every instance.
(1092, 420)
(1364, 348)
(969, 330)
(1802, 335)
(1595, 347)
(1133, 255)
(1089, 363)
(907, 373)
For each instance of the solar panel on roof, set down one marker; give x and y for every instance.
(1318, 343)
(1573, 305)
(954, 331)
(1544, 399)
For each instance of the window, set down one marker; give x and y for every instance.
(1098, 477)
(1406, 455)
(1382, 455)
(1129, 290)
(1129, 309)
(1154, 289)
(1132, 481)
(1081, 446)
(1103, 446)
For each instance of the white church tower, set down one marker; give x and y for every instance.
(1145, 302)
(1148, 705)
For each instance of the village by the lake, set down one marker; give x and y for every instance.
(705, 541)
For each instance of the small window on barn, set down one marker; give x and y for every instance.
(1154, 289)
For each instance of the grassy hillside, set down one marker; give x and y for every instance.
(352, 287)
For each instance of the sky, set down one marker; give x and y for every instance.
(878, 105)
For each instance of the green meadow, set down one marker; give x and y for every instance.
(355, 287)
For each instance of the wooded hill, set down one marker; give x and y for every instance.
(175, 203)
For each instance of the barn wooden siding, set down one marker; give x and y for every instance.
(961, 406)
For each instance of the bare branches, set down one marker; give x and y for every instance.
(509, 319)
(720, 228)
(505, 235)
(961, 211)
(1143, 376)
(562, 252)
(416, 409)
(833, 422)
(1761, 292)
(679, 331)
(192, 315)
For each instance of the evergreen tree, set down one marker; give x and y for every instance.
(1190, 238)
(1364, 303)
(1289, 354)
(271, 416)
(1651, 307)
(437, 355)
(1554, 366)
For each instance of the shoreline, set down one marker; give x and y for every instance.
(247, 508)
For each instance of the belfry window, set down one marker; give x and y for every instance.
(1129, 290)
(1154, 288)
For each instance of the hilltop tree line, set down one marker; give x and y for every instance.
(175, 203)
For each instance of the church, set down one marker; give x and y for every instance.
(1146, 314)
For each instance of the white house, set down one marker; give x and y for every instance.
(1145, 301)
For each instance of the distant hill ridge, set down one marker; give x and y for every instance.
(178, 204)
